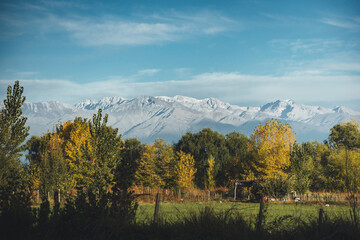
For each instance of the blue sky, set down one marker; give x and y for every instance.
(242, 52)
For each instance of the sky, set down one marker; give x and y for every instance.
(246, 52)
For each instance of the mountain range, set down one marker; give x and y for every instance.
(148, 118)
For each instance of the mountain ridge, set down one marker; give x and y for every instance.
(148, 118)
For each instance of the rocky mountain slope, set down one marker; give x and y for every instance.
(148, 118)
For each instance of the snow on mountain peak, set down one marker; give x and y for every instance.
(112, 100)
(149, 117)
(201, 105)
(342, 109)
(277, 107)
(48, 107)
(289, 110)
(85, 103)
(104, 103)
(289, 101)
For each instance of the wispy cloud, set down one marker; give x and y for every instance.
(154, 29)
(113, 30)
(25, 74)
(308, 45)
(117, 32)
(348, 23)
(182, 71)
(322, 67)
(317, 56)
(146, 72)
(284, 19)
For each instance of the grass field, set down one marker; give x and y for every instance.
(173, 212)
(191, 220)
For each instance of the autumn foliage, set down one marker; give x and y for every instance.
(185, 171)
(96, 170)
(270, 145)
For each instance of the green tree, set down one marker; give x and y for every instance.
(15, 185)
(126, 169)
(345, 140)
(48, 162)
(122, 198)
(12, 124)
(318, 153)
(103, 150)
(240, 164)
(165, 163)
(54, 174)
(345, 134)
(301, 167)
(33, 156)
(201, 145)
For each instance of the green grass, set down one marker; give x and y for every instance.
(229, 220)
(173, 212)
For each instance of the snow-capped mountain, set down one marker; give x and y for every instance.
(148, 118)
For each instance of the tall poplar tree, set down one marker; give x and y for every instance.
(104, 149)
(211, 173)
(164, 163)
(14, 184)
(185, 170)
(12, 124)
(146, 174)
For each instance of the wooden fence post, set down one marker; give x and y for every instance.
(321, 216)
(156, 212)
(235, 191)
(207, 210)
(37, 196)
(260, 217)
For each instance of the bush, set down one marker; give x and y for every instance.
(277, 187)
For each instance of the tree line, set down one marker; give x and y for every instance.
(88, 156)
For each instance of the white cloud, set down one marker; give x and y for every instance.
(213, 30)
(141, 73)
(182, 71)
(147, 72)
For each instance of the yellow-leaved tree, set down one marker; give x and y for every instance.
(185, 170)
(270, 145)
(211, 173)
(53, 171)
(79, 166)
(146, 173)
